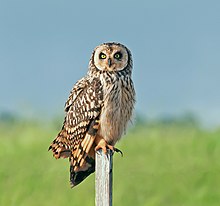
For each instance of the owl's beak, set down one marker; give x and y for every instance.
(109, 62)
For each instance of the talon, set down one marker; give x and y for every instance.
(114, 149)
(102, 144)
(118, 151)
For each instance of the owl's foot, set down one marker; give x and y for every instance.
(102, 144)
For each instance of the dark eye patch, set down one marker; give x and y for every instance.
(118, 55)
(102, 56)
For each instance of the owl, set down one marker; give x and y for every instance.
(98, 109)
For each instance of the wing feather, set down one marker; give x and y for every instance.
(81, 123)
(77, 89)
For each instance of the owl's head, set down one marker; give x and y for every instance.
(111, 57)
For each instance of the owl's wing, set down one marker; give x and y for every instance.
(76, 90)
(81, 123)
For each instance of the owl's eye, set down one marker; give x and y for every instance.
(118, 55)
(102, 56)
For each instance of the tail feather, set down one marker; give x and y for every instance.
(80, 154)
(82, 161)
(79, 149)
(77, 176)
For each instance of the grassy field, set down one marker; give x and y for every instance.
(170, 165)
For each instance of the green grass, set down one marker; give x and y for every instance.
(162, 165)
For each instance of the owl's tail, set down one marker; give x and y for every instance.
(81, 153)
(77, 175)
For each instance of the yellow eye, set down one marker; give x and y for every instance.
(118, 55)
(102, 56)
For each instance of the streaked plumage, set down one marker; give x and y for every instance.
(99, 107)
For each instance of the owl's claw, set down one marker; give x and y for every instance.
(118, 151)
(104, 146)
(114, 149)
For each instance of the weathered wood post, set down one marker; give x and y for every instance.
(103, 178)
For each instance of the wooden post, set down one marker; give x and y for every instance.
(103, 178)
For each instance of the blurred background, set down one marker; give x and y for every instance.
(45, 48)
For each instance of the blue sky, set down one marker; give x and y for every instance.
(45, 47)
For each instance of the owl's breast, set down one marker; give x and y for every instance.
(116, 112)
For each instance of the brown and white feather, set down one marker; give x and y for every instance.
(100, 104)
